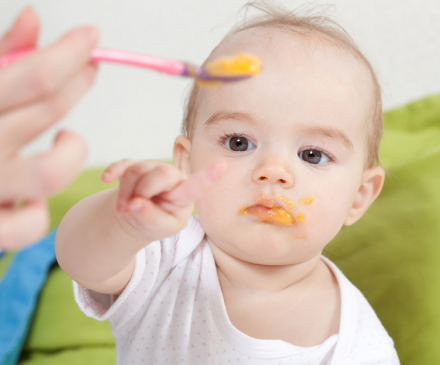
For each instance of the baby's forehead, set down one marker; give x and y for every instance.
(306, 61)
(289, 47)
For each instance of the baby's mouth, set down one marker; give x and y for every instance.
(275, 214)
(271, 210)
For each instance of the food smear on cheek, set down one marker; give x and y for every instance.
(306, 201)
(296, 237)
(300, 217)
(288, 202)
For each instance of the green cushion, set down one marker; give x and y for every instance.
(391, 254)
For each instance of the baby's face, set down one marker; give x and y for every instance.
(296, 131)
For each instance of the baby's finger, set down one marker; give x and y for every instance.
(153, 221)
(129, 181)
(160, 179)
(116, 170)
(191, 189)
(33, 215)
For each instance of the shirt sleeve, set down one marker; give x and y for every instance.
(390, 358)
(112, 308)
(152, 267)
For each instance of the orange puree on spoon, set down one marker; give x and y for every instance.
(240, 65)
(274, 214)
(243, 65)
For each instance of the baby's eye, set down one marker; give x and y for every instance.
(239, 144)
(314, 157)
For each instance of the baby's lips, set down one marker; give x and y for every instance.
(276, 209)
(277, 201)
(273, 214)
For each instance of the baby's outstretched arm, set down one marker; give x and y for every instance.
(97, 241)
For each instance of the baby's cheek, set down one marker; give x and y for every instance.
(210, 211)
(323, 220)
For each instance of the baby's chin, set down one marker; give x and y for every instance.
(264, 249)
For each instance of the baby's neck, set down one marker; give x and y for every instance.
(264, 279)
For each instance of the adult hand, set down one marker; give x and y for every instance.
(36, 92)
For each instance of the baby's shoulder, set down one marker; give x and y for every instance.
(368, 323)
(361, 330)
(179, 247)
(371, 340)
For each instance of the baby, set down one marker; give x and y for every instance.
(276, 165)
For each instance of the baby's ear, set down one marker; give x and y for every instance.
(371, 185)
(181, 153)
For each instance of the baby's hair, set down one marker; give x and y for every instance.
(305, 24)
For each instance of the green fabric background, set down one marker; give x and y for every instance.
(392, 254)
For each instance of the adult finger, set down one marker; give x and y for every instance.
(45, 173)
(24, 225)
(129, 180)
(116, 170)
(191, 189)
(23, 33)
(21, 125)
(43, 72)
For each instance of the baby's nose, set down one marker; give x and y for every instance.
(273, 173)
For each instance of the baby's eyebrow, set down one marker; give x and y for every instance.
(224, 115)
(333, 133)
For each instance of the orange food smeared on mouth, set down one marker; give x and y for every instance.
(306, 201)
(276, 210)
(274, 214)
(272, 210)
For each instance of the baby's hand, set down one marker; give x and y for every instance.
(155, 198)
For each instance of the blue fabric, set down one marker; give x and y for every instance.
(19, 290)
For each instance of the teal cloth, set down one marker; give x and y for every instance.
(19, 290)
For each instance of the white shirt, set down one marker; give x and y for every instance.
(173, 312)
